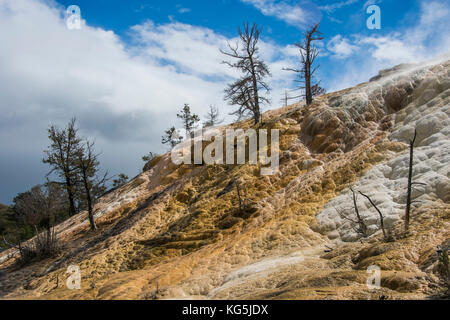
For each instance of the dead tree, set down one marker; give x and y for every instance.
(362, 228)
(244, 102)
(410, 182)
(246, 91)
(212, 117)
(379, 212)
(308, 55)
(60, 155)
(88, 165)
(361, 225)
(286, 98)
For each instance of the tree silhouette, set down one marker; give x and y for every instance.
(61, 156)
(171, 137)
(212, 117)
(308, 55)
(245, 92)
(88, 165)
(189, 119)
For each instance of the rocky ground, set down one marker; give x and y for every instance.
(174, 232)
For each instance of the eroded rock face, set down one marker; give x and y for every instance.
(345, 120)
(386, 183)
(179, 228)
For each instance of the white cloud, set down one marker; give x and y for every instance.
(392, 48)
(194, 50)
(294, 15)
(337, 5)
(426, 40)
(125, 95)
(184, 10)
(332, 19)
(433, 11)
(341, 47)
(430, 37)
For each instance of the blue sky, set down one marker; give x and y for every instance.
(133, 64)
(344, 17)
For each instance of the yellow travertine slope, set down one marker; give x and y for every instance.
(171, 234)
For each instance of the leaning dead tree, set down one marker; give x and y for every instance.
(308, 55)
(361, 225)
(245, 92)
(362, 228)
(380, 214)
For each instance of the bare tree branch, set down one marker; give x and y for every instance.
(379, 212)
(308, 54)
(245, 91)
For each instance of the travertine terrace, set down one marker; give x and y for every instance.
(168, 229)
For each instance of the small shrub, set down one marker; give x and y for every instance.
(43, 245)
(27, 254)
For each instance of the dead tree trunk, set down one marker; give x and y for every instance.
(362, 225)
(70, 194)
(88, 166)
(245, 92)
(90, 208)
(408, 194)
(308, 54)
(379, 212)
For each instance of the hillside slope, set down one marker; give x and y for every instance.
(170, 233)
